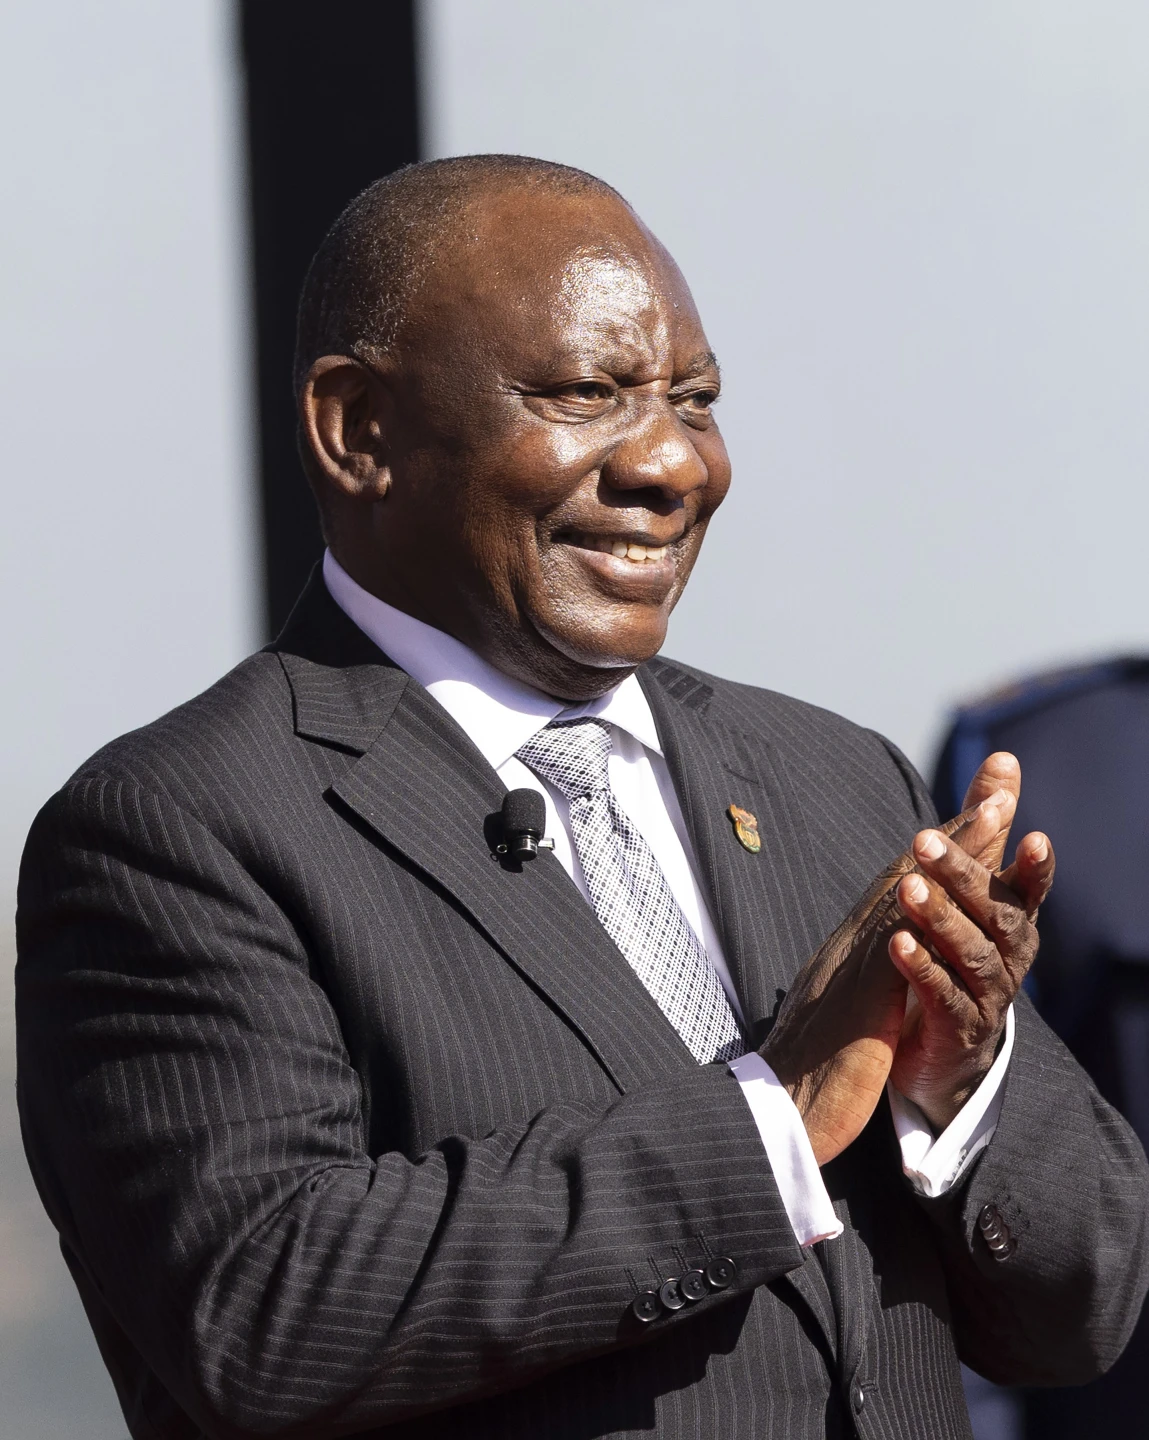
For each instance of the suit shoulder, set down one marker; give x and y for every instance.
(833, 754)
(844, 785)
(236, 722)
(758, 711)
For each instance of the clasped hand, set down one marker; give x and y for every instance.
(915, 984)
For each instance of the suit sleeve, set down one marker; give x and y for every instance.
(196, 1130)
(1069, 1181)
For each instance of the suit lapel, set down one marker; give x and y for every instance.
(423, 789)
(765, 905)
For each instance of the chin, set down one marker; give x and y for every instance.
(610, 645)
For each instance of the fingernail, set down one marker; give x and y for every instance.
(1041, 850)
(917, 890)
(999, 798)
(905, 942)
(930, 846)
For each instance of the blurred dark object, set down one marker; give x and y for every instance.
(1082, 737)
(996, 1412)
(332, 104)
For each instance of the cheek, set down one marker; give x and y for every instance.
(571, 450)
(712, 449)
(542, 469)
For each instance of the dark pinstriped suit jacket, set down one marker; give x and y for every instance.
(345, 1126)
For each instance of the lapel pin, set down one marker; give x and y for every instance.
(746, 828)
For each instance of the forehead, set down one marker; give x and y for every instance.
(541, 277)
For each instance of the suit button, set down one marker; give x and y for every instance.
(693, 1285)
(995, 1232)
(647, 1306)
(857, 1397)
(721, 1272)
(1003, 1247)
(671, 1296)
(989, 1218)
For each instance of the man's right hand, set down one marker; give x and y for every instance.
(834, 1041)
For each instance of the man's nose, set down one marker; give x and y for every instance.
(657, 454)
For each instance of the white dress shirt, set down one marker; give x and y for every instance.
(500, 715)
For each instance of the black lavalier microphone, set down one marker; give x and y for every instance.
(524, 820)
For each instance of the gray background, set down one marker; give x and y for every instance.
(917, 237)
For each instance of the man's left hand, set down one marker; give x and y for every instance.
(972, 941)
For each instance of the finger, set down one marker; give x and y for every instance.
(998, 774)
(952, 935)
(983, 831)
(933, 986)
(1031, 874)
(978, 831)
(999, 771)
(993, 907)
(983, 897)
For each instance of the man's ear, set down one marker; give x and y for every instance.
(343, 409)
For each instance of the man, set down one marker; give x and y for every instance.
(348, 1124)
(1082, 735)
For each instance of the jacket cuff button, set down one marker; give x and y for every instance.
(671, 1296)
(693, 1285)
(646, 1306)
(720, 1273)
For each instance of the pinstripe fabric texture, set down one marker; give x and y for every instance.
(348, 1129)
(629, 891)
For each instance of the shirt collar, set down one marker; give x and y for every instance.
(499, 714)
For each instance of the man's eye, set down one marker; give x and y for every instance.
(587, 390)
(698, 401)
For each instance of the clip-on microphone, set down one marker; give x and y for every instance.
(524, 820)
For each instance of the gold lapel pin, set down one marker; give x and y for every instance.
(746, 828)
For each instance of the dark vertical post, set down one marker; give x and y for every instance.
(332, 104)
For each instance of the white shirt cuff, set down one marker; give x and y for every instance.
(788, 1150)
(932, 1164)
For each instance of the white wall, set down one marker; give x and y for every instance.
(917, 235)
(127, 560)
(127, 571)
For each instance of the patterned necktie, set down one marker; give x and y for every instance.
(629, 891)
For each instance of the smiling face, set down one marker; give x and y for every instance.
(533, 469)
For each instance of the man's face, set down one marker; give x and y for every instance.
(553, 456)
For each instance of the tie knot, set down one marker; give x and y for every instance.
(572, 755)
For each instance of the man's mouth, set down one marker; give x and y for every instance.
(620, 546)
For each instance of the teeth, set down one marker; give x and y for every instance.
(623, 549)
